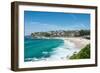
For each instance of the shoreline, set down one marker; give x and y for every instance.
(79, 42)
(75, 45)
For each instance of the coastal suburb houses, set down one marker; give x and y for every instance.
(61, 33)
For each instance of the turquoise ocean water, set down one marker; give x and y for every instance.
(35, 49)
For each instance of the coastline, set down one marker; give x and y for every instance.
(71, 45)
(79, 42)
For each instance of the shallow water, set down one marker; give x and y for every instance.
(37, 49)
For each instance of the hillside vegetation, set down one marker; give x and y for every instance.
(83, 54)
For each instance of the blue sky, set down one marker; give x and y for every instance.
(48, 21)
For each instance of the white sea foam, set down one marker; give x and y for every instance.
(63, 52)
(45, 52)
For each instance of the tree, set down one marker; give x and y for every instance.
(84, 32)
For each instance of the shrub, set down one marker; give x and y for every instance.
(83, 53)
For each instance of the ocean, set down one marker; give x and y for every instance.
(37, 49)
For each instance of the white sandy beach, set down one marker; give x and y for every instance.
(76, 44)
(78, 41)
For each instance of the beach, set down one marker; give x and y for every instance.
(71, 45)
(79, 42)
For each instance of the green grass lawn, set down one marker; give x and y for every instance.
(83, 53)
